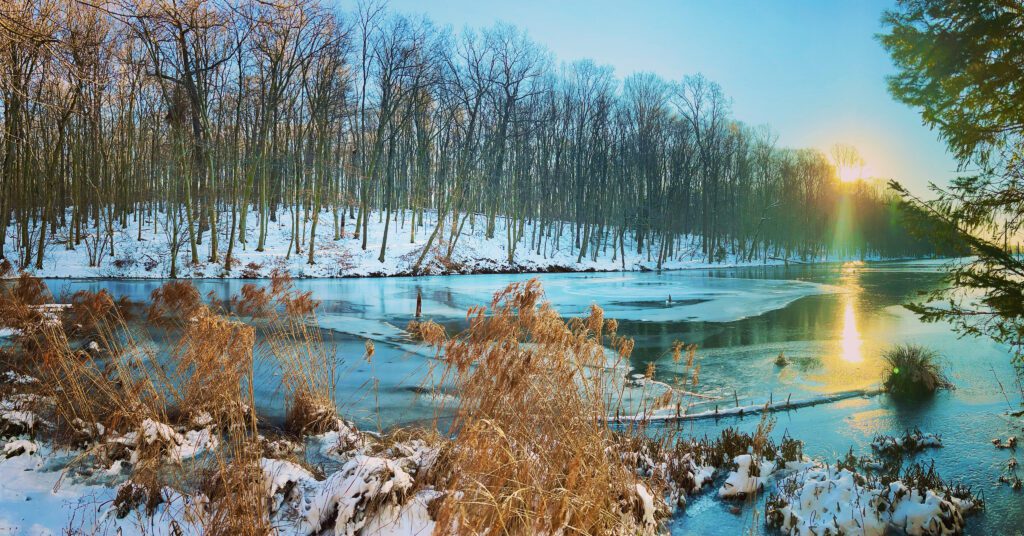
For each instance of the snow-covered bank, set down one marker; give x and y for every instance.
(147, 253)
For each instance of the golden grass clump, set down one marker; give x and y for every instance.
(235, 486)
(89, 309)
(126, 398)
(913, 370)
(119, 387)
(429, 332)
(253, 301)
(294, 342)
(212, 358)
(132, 386)
(21, 303)
(531, 452)
(174, 301)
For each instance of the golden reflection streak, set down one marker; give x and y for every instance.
(850, 342)
(850, 359)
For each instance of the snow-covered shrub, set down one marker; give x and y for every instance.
(348, 497)
(679, 466)
(19, 447)
(831, 500)
(910, 442)
(19, 414)
(748, 477)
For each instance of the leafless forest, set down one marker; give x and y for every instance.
(190, 117)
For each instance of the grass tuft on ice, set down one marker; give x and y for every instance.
(912, 370)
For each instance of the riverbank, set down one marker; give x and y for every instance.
(143, 250)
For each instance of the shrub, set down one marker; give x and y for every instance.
(780, 360)
(912, 370)
(253, 270)
(22, 302)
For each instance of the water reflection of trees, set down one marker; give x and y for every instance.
(809, 318)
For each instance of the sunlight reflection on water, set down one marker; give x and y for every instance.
(851, 362)
(850, 339)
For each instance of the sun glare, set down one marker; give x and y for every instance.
(849, 173)
(854, 173)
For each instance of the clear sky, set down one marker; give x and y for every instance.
(811, 69)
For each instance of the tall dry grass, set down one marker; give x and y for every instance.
(204, 367)
(23, 307)
(532, 452)
(292, 340)
(118, 385)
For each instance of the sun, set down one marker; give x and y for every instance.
(850, 173)
(849, 165)
(854, 173)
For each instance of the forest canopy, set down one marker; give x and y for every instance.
(202, 114)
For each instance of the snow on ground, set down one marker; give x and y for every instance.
(35, 499)
(149, 256)
(367, 495)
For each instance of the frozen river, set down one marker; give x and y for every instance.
(832, 323)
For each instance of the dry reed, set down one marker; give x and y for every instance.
(127, 386)
(532, 452)
(294, 342)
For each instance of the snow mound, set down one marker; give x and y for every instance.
(19, 447)
(911, 441)
(282, 476)
(837, 501)
(411, 518)
(174, 445)
(748, 478)
(16, 415)
(348, 497)
(158, 432)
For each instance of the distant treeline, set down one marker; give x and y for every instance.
(194, 113)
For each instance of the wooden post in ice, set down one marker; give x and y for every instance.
(419, 303)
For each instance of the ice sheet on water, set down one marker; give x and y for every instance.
(366, 328)
(670, 296)
(675, 296)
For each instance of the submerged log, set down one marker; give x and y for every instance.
(741, 411)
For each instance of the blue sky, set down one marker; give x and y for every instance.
(812, 70)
